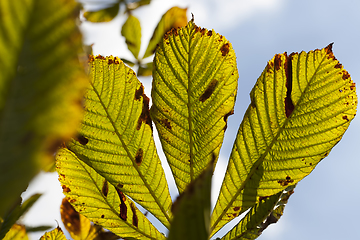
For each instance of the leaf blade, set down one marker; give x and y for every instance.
(194, 89)
(116, 136)
(36, 97)
(85, 191)
(103, 15)
(300, 108)
(131, 30)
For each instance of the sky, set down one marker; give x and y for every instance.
(324, 205)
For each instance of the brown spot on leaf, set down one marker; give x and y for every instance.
(338, 65)
(352, 86)
(145, 113)
(70, 217)
(105, 188)
(139, 156)
(209, 33)
(100, 57)
(139, 92)
(236, 209)
(277, 62)
(66, 189)
(203, 30)
(328, 50)
(345, 118)
(135, 220)
(123, 208)
(289, 105)
(225, 49)
(81, 139)
(102, 216)
(286, 181)
(345, 75)
(120, 185)
(110, 61)
(262, 198)
(72, 200)
(226, 117)
(209, 90)
(166, 123)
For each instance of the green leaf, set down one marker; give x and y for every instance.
(192, 209)
(193, 93)
(264, 213)
(145, 69)
(300, 108)
(56, 234)
(98, 200)
(131, 30)
(103, 15)
(41, 86)
(175, 17)
(17, 232)
(16, 213)
(128, 62)
(116, 136)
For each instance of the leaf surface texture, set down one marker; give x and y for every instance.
(194, 89)
(116, 136)
(300, 107)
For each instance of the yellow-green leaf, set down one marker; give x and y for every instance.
(267, 211)
(193, 93)
(97, 199)
(175, 17)
(300, 108)
(56, 234)
(17, 232)
(41, 87)
(192, 209)
(116, 136)
(131, 30)
(103, 15)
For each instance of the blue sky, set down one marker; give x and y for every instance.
(324, 203)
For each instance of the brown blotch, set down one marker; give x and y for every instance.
(66, 189)
(145, 113)
(286, 181)
(338, 65)
(139, 92)
(226, 117)
(100, 57)
(209, 90)
(123, 208)
(120, 185)
(289, 105)
(166, 123)
(102, 216)
(203, 30)
(345, 118)
(328, 50)
(326, 154)
(110, 61)
(235, 215)
(105, 188)
(209, 33)
(345, 75)
(72, 200)
(352, 86)
(236, 209)
(139, 156)
(225, 49)
(135, 220)
(81, 139)
(70, 217)
(277, 61)
(91, 58)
